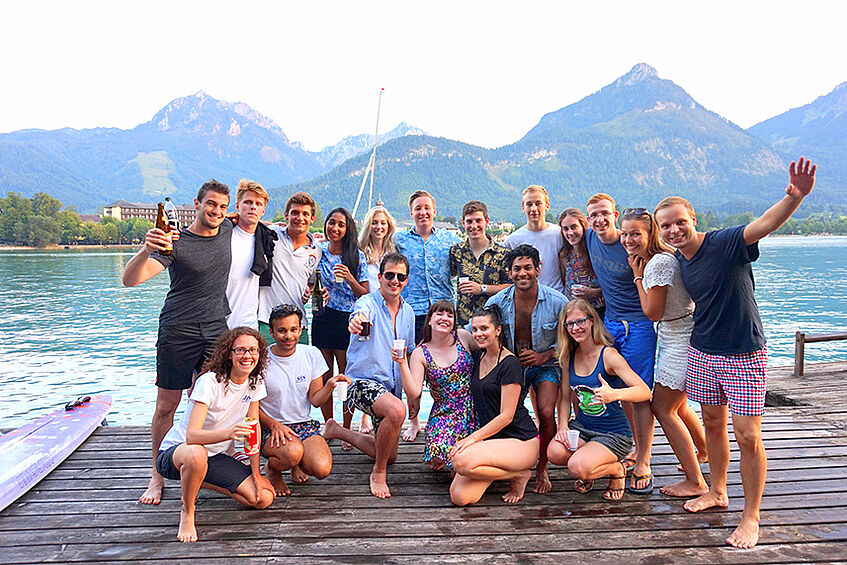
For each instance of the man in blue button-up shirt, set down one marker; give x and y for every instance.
(428, 252)
(530, 318)
(376, 377)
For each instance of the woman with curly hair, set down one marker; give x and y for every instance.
(198, 451)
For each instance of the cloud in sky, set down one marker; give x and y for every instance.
(480, 72)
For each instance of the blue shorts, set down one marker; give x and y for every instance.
(536, 375)
(636, 342)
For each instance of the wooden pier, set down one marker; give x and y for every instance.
(86, 510)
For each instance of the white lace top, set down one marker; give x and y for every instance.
(663, 270)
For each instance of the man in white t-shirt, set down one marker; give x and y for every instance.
(539, 233)
(242, 289)
(295, 259)
(290, 437)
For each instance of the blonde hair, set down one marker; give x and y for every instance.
(600, 196)
(537, 189)
(674, 201)
(366, 239)
(245, 186)
(566, 343)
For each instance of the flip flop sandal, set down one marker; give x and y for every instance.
(583, 487)
(616, 494)
(635, 478)
(629, 462)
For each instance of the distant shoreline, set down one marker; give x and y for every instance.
(55, 246)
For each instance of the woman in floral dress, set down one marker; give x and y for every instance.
(444, 361)
(577, 273)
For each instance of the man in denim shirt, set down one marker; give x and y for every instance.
(428, 252)
(530, 317)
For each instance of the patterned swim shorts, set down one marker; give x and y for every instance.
(304, 431)
(362, 394)
(737, 380)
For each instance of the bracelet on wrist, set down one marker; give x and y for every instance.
(636, 279)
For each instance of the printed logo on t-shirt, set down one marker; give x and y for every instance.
(311, 260)
(300, 378)
(247, 398)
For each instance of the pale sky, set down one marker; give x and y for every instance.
(479, 72)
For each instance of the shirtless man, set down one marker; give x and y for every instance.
(290, 438)
(727, 355)
(530, 319)
(377, 382)
(195, 309)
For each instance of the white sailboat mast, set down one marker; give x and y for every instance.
(369, 169)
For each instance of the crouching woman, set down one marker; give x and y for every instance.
(198, 451)
(505, 447)
(600, 379)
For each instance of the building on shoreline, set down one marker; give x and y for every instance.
(123, 210)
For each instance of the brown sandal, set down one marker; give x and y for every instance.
(583, 487)
(616, 494)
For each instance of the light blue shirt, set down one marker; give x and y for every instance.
(341, 296)
(371, 359)
(545, 318)
(429, 267)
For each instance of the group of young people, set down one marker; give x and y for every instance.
(605, 326)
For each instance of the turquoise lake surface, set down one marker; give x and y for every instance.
(70, 328)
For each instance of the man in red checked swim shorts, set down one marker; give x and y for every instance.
(727, 356)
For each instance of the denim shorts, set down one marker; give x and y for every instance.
(536, 375)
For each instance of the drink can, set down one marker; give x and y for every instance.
(251, 442)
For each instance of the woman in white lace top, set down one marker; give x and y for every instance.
(666, 302)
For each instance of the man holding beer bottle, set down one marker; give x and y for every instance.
(195, 309)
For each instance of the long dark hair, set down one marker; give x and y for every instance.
(349, 243)
(495, 314)
(220, 362)
(580, 249)
(438, 306)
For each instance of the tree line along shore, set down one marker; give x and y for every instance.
(43, 221)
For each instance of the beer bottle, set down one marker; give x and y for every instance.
(162, 224)
(171, 214)
(317, 297)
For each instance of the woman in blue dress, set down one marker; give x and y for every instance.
(600, 379)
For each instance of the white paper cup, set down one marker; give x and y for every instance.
(399, 347)
(341, 389)
(573, 439)
(464, 280)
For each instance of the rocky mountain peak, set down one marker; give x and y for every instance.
(638, 73)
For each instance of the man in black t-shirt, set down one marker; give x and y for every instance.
(727, 356)
(195, 309)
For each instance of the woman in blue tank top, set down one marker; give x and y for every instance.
(599, 380)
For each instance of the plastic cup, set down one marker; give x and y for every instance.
(573, 439)
(365, 334)
(341, 389)
(338, 278)
(399, 347)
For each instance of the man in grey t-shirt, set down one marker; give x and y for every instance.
(195, 308)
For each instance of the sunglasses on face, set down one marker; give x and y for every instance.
(389, 276)
(635, 212)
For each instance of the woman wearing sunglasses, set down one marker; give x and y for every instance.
(198, 451)
(665, 301)
(600, 379)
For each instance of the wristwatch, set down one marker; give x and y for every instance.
(484, 288)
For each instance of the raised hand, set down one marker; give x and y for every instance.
(636, 263)
(801, 178)
(604, 394)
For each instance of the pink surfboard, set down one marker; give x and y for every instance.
(30, 452)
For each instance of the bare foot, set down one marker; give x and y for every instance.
(275, 477)
(708, 500)
(701, 458)
(330, 429)
(379, 486)
(298, 476)
(346, 446)
(412, 431)
(365, 425)
(436, 464)
(153, 494)
(746, 535)
(542, 482)
(684, 489)
(517, 487)
(187, 531)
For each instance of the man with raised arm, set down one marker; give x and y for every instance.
(632, 330)
(295, 259)
(727, 355)
(539, 233)
(377, 384)
(428, 252)
(530, 319)
(195, 309)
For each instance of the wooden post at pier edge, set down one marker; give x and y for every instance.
(800, 341)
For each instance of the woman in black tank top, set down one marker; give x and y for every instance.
(505, 447)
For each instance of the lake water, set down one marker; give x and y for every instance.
(69, 327)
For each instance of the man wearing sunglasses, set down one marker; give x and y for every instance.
(631, 329)
(377, 386)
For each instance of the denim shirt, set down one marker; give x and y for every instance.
(429, 267)
(545, 318)
(371, 359)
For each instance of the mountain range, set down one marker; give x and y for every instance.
(639, 138)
